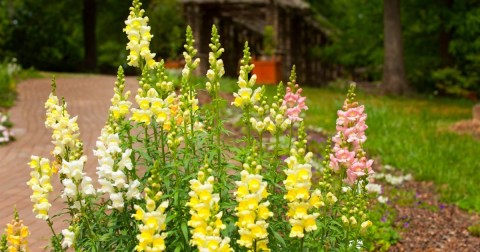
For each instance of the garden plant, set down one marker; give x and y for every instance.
(6, 135)
(172, 177)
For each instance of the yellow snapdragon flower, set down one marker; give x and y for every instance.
(152, 230)
(139, 36)
(17, 235)
(41, 186)
(65, 130)
(300, 201)
(206, 219)
(252, 209)
(120, 106)
(246, 96)
(152, 107)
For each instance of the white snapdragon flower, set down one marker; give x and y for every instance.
(111, 171)
(68, 238)
(70, 189)
(119, 178)
(73, 169)
(117, 200)
(133, 192)
(382, 199)
(376, 188)
(87, 187)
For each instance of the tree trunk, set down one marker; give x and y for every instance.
(89, 37)
(393, 65)
(445, 36)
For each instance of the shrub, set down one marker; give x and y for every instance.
(9, 71)
(451, 81)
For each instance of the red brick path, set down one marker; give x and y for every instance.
(87, 97)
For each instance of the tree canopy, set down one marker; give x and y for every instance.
(441, 38)
(441, 41)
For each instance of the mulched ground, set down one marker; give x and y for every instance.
(468, 127)
(427, 224)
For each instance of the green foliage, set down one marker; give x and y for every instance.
(451, 81)
(9, 74)
(436, 35)
(166, 24)
(167, 27)
(46, 36)
(474, 229)
(357, 35)
(110, 38)
(50, 36)
(268, 41)
(382, 234)
(4, 27)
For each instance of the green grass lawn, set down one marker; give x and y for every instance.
(412, 134)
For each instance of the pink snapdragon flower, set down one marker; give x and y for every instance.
(352, 115)
(295, 103)
(359, 168)
(348, 154)
(341, 156)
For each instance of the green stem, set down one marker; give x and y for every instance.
(346, 235)
(50, 224)
(145, 140)
(260, 147)
(301, 244)
(163, 146)
(190, 96)
(132, 155)
(247, 123)
(192, 132)
(188, 143)
(82, 207)
(218, 131)
(155, 133)
(277, 144)
(177, 172)
(291, 138)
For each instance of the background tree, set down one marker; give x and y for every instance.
(441, 38)
(166, 19)
(89, 35)
(394, 78)
(46, 36)
(355, 28)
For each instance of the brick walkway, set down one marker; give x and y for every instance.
(87, 97)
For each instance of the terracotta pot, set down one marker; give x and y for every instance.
(267, 71)
(173, 64)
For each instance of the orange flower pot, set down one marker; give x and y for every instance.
(173, 64)
(268, 71)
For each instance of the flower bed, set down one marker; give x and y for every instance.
(169, 180)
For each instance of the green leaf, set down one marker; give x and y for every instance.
(185, 231)
(278, 237)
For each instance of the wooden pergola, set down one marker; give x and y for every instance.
(296, 34)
